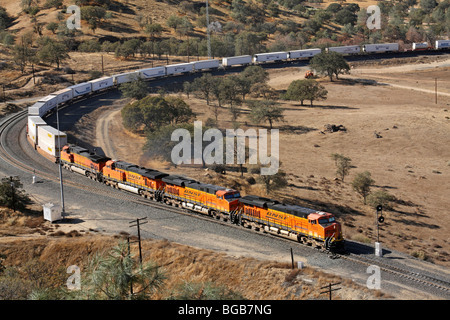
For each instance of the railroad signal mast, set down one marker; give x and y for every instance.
(379, 219)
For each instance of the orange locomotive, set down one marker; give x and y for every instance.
(302, 224)
(80, 160)
(204, 198)
(130, 177)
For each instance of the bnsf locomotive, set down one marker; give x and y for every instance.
(302, 224)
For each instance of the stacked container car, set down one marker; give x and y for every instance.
(236, 61)
(81, 89)
(179, 68)
(33, 123)
(206, 65)
(102, 84)
(303, 54)
(43, 107)
(380, 48)
(442, 44)
(270, 57)
(63, 96)
(151, 73)
(345, 49)
(126, 77)
(50, 140)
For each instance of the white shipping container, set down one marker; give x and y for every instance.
(38, 109)
(51, 137)
(179, 68)
(442, 44)
(49, 102)
(124, 77)
(34, 110)
(271, 56)
(418, 46)
(33, 123)
(63, 95)
(81, 89)
(152, 72)
(345, 49)
(102, 83)
(206, 64)
(233, 61)
(307, 53)
(47, 148)
(381, 47)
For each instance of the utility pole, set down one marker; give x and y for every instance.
(330, 289)
(435, 90)
(138, 225)
(207, 30)
(63, 213)
(13, 191)
(292, 258)
(129, 254)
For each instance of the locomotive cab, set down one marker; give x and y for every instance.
(228, 198)
(324, 226)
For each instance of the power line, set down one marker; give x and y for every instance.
(330, 289)
(138, 225)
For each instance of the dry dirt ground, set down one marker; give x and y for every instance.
(410, 159)
(27, 240)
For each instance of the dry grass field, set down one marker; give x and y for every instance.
(51, 248)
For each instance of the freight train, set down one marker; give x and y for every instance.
(295, 222)
(305, 225)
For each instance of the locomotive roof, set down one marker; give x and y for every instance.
(276, 205)
(177, 180)
(293, 209)
(257, 201)
(96, 158)
(126, 166)
(149, 173)
(153, 174)
(209, 188)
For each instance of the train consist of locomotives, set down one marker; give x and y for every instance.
(303, 224)
(291, 221)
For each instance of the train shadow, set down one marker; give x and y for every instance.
(358, 248)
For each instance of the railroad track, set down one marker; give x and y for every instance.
(5, 155)
(402, 272)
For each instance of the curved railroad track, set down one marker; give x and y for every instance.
(420, 278)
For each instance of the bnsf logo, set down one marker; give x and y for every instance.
(275, 215)
(191, 192)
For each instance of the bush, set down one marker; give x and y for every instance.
(381, 197)
(90, 46)
(12, 195)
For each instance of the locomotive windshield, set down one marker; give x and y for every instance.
(232, 196)
(326, 220)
